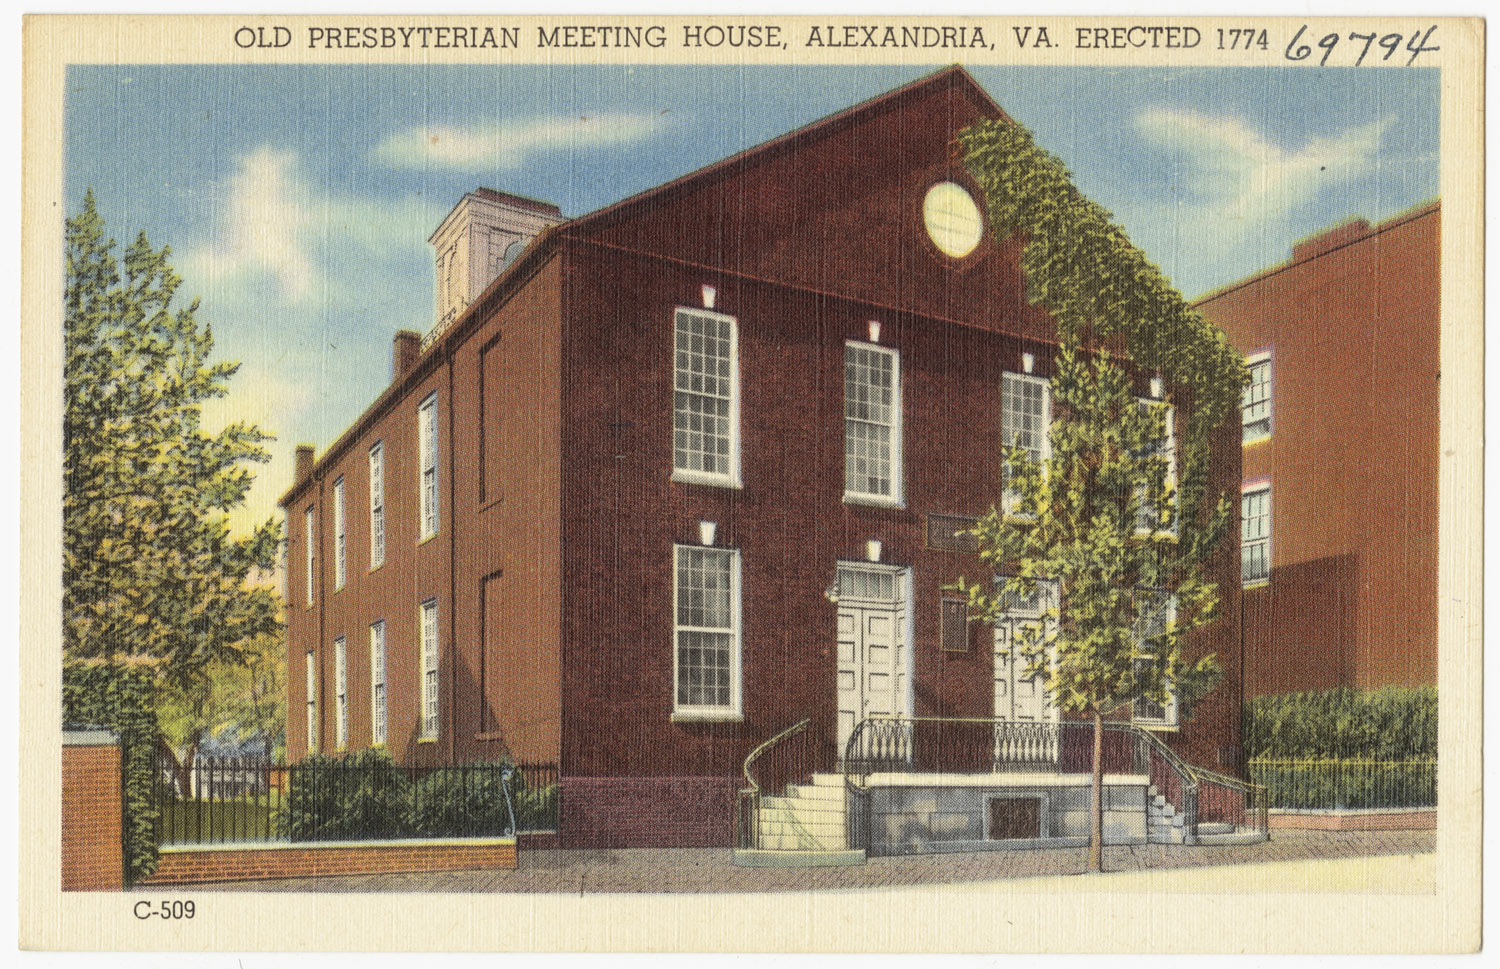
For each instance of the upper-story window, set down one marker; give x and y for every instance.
(1255, 534)
(872, 424)
(707, 631)
(429, 670)
(427, 446)
(1156, 611)
(377, 505)
(310, 550)
(705, 404)
(1255, 402)
(339, 575)
(1148, 520)
(1025, 413)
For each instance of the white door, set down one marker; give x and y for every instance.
(874, 639)
(1018, 697)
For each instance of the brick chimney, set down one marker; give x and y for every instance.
(404, 355)
(305, 454)
(1331, 238)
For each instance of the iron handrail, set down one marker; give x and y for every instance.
(755, 754)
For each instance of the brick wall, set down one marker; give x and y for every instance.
(92, 853)
(181, 866)
(1415, 820)
(647, 812)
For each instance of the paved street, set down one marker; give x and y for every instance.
(693, 870)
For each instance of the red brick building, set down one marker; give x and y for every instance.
(687, 471)
(1340, 493)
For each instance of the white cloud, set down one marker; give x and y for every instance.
(276, 230)
(510, 144)
(1240, 175)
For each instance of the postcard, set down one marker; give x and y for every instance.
(721, 484)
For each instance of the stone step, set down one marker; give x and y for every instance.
(786, 842)
(1240, 836)
(1164, 836)
(822, 832)
(815, 792)
(1215, 827)
(801, 812)
(828, 780)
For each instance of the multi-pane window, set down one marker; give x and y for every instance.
(427, 461)
(429, 670)
(339, 575)
(310, 550)
(707, 630)
(1255, 535)
(705, 432)
(1156, 610)
(377, 683)
(1255, 402)
(1025, 412)
(377, 505)
(311, 681)
(872, 423)
(341, 693)
(1147, 518)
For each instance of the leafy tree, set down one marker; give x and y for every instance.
(239, 702)
(152, 577)
(1123, 531)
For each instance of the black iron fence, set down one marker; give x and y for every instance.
(1353, 783)
(360, 797)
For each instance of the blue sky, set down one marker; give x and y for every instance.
(298, 200)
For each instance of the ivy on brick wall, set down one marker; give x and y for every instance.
(119, 699)
(1100, 289)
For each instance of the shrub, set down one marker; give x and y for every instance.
(1392, 723)
(460, 801)
(363, 795)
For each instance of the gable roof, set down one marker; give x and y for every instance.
(954, 79)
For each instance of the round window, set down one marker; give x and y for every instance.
(953, 219)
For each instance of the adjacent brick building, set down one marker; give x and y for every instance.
(1340, 492)
(687, 471)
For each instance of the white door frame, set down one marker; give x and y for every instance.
(899, 603)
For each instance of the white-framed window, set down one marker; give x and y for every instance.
(339, 573)
(1255, 401)
(1255, 534)
(377, 505)
(1156, 611)
(310, 550)
(705, 401)
(341, 693)
(429, 627)
(311, 680)
(1025, 413)
(1147, 520)
(706, 663)
(377, 683)
(427, 446)
(872, 424)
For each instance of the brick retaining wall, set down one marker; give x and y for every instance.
(1414, 820)
(92, 833)
(647, 812)
(181, 866)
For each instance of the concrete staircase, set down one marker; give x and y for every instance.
(804, 827)
(1165, 826)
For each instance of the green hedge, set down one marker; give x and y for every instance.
(1392, 724)
(367, 796)
(120, 699)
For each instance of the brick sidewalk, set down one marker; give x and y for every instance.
(692, 870)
